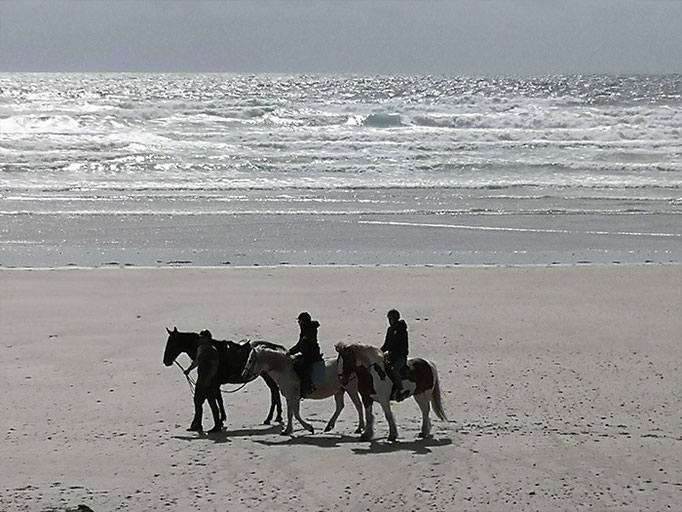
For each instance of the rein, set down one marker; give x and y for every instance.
(193, 384)
(233, 390)
(246, 370)
(190, 381)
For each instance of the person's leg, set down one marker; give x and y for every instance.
(396, 369)
(300, 368)
(394, 376)
(307, 380)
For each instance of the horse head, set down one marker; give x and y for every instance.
(353, 356)
(345, 363)
(251, 369)
(177, 343)
(262, 359)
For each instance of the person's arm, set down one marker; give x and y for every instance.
(192, 366)
(298, 348)
(402, 341)
(386, 346)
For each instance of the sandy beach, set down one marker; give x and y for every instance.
(561, 384)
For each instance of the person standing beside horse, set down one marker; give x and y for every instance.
(207, 357)
(207, 363)
(395, 349)
(308, 350)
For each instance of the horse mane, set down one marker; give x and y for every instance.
(276, 358)
(185, 334)
(365, 355)
(229, 344)
(266, 344)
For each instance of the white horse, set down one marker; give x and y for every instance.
(374, 384)
(280, 367)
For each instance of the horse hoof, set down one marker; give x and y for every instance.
(285, 433)
(358, 430)
(215, 430)
(195, 428)
(266, 422)
(366, 437)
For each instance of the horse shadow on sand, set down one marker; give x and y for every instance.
(418, 446)
(321, 441)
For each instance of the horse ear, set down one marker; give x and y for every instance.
(168, 330)
(175, 329)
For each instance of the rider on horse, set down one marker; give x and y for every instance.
(395, 349)
(309, 350)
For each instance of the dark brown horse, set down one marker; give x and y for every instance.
(233, 357)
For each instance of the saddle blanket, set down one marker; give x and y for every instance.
(317, 372)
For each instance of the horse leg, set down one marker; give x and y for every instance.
(338, 398)
(199, 397)
(424, 402)
(303, 423)
(392, 429)
(213, 400)
(275, 400)
(290, 414)
(355, 398)
(369, 418)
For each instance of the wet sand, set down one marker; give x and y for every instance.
(46, 240)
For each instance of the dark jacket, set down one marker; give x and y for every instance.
(307, 344)
(396, 340)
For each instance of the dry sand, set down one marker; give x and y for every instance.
(562, 385)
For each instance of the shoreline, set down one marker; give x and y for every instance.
(188, 266)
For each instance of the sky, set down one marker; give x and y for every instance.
(519, 37)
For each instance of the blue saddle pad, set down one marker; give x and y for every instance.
(317, 372)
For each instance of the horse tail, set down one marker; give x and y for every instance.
(436, 401)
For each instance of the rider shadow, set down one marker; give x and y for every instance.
(216, 437)
(418, 446)
(308, 440)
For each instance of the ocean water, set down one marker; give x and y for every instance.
(476, 152)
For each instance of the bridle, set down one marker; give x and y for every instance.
(252, 374)
(342, 379)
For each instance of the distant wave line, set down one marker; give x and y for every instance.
(517, 230)
(9, 187)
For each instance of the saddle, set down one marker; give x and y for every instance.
(316, 375)
(406, 372)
